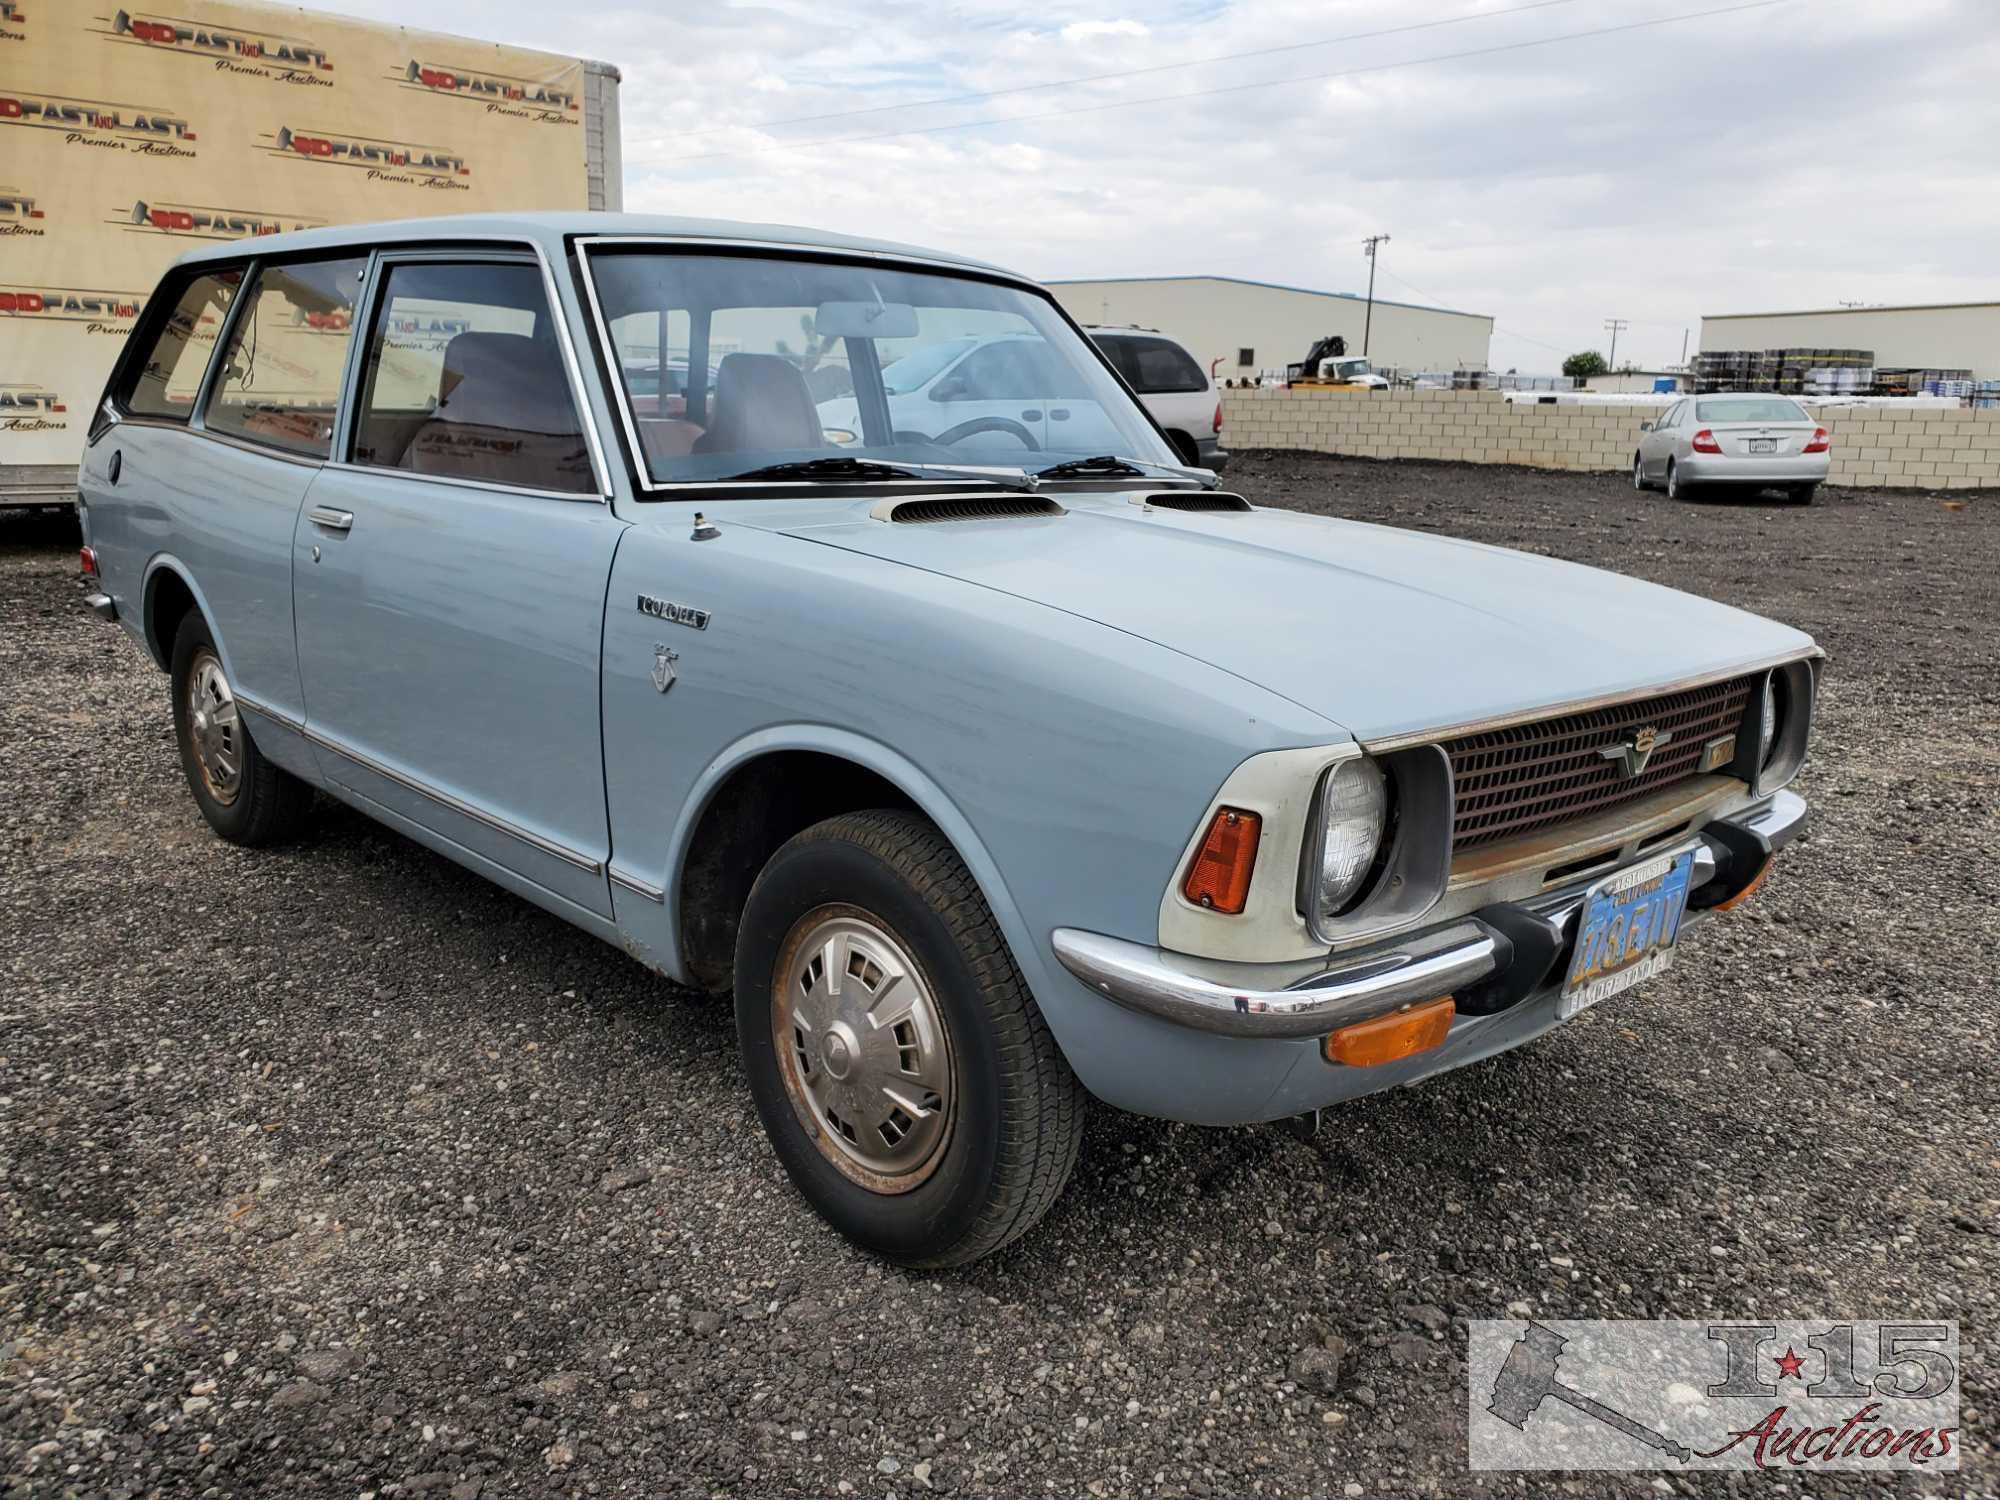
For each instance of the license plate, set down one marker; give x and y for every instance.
(1763, 445)
(1626, 932)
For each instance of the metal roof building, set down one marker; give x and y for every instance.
(1238, 327)
(1942, 335)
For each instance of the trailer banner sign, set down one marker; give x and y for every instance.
(130, 135)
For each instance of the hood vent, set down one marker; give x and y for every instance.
(935, 508)
(1193, 500)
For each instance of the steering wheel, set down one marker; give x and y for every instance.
(973, 428)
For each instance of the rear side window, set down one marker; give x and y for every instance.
(280, 380)
(168, 379)
(465, 380)
(1155, 367)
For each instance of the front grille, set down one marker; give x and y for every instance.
(1529, 777)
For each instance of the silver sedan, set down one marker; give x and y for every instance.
(1762, 442)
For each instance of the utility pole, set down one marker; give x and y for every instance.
(1617, 326)
(1368, 321)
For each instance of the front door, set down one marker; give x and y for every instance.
(450, 575)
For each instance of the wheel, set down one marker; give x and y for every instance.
(245, 798)
(903, 1073)
(1638, 472)
(1675, 489)
(1802, 494)
(978, 425)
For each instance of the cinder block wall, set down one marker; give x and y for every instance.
(1933, 448)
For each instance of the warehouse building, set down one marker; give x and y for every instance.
(1946, 335)
(1237, 328)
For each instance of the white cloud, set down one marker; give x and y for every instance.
(1090, 31)
(1630, 175)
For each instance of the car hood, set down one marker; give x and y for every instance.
(1383, 631)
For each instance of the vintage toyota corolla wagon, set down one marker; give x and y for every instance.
(984, 776)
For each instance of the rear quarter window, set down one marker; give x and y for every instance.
(165, 379)
(1155, 367)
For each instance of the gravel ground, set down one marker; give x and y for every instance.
(335, 1171)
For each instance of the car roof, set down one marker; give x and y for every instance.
(550, 231)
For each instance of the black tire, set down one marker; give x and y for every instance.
(1016, 1119)
(1675, 489)
(269, 805)
(1802, 494)
(1639, 473)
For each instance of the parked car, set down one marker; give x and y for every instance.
(1171, 384)
(1000, 394)
(1749, 440)
(982, 788)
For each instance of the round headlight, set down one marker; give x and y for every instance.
(1353, 811)
(1767, 729)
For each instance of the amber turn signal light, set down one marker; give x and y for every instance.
(1749, 890)
(1386, 1039)
(1219, 878)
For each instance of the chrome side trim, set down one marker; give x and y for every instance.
(409, 476)
(1146, 980)
(275, 715)
(458, 805)
(638, 887)
(1583, 705)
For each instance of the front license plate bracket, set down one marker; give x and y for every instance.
(1626, 929)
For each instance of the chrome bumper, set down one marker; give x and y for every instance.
(103, 606)
(1238, 1000)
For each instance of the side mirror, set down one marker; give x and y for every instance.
(1645, 426)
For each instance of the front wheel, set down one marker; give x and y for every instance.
(902, 1070)
(1638, 472)
(246, 799)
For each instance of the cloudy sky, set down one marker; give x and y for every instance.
(1793, 153)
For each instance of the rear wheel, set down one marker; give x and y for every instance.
(903, 1073)
(246, 799)
(1675, 489)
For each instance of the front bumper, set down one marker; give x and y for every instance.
(1495, 959)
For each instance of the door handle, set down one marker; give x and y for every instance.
(1058, 413)
(331, 519)
(1032, 414)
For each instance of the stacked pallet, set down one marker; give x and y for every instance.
(1794, 372)
(1919, 382)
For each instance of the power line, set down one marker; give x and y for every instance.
(1238, 88)
(1065, 83)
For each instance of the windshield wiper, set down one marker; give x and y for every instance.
(1104, 463)
(869, 468)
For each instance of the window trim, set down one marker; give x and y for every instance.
(492, 251)
(253, 282)
(691, 244)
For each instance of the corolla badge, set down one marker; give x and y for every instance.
(664, 675)
(1631, 755)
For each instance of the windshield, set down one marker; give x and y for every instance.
(808, 360)
(1749, 409)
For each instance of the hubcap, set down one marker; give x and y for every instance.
(863, 1049)
(215, 730)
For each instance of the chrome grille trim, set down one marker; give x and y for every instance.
(1530, 777)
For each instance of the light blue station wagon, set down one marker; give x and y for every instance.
(990, 760)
